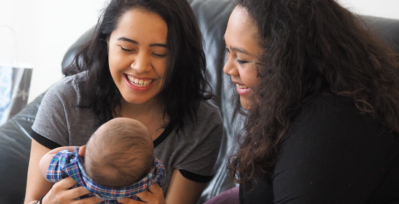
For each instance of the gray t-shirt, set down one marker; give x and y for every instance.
(193, 150)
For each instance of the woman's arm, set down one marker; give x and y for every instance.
(36, 185)
(182, 190)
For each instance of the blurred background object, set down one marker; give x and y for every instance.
(15, 77)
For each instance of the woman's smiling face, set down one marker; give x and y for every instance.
(138, 55)
(243, 54)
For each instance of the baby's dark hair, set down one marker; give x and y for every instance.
(119, 153)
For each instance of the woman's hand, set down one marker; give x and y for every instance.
(154, 195)
(61, 193)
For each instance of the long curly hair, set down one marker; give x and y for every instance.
(311, 47)
(185, 85)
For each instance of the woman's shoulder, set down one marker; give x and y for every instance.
(328, 104)
(69, 88)
(329, 110)
(73, 82)
(331, 141)
(208, 110)
(208, 105)
(338, 119)
(207, 122)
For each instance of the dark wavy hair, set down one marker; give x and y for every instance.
(311, 47)
(185, 85)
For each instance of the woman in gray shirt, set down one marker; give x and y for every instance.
(144, 61)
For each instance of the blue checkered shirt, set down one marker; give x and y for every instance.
(66, 163)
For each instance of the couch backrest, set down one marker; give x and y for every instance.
(386, 29)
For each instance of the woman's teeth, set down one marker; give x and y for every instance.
(240, 86)
(139, 82)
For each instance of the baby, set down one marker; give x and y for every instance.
(117, 161)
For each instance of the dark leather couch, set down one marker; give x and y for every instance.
(212, 16)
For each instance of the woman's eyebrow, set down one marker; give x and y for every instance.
(128, 40)
(136, 43)
(158, 45)
(237, 49)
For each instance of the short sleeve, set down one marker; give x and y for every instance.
(64, 116)
(198, 157)
(56, 168)
(51, 120)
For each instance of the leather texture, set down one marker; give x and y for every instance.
(212, 16)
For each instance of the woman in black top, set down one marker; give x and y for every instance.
(322, 95)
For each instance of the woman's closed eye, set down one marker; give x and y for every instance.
(238, 60)
(242, 61)
(159, 55)
(126, 50)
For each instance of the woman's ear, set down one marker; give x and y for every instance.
(82, 150)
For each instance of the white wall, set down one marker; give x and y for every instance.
(45, 29)
(382, 8)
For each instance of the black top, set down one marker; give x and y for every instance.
(332, 154)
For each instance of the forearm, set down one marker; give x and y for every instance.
(182, 190)
(36, 186)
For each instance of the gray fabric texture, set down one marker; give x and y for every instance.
(194, 149)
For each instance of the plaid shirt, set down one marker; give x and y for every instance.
(66, 163)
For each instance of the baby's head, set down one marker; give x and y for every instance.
(119, 153)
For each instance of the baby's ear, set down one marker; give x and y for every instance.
(82, 151)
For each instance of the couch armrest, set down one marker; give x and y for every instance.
(14, 154)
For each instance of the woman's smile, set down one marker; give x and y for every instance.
(139, 81)
(138, 84)
(242, 89)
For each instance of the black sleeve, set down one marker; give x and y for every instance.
(195, 177)
(44, 141)
(331, 155)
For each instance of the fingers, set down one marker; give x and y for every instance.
(155, 189)
(145, 196)
(129, 201)
(90, 200)
(74, 193)
(63, 193)
(64, 184)
(154, 195)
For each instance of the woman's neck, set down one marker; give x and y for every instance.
(150, 114)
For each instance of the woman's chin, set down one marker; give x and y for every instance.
(245, 103)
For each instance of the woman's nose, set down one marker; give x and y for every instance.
(229, 68)
(141, 62)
